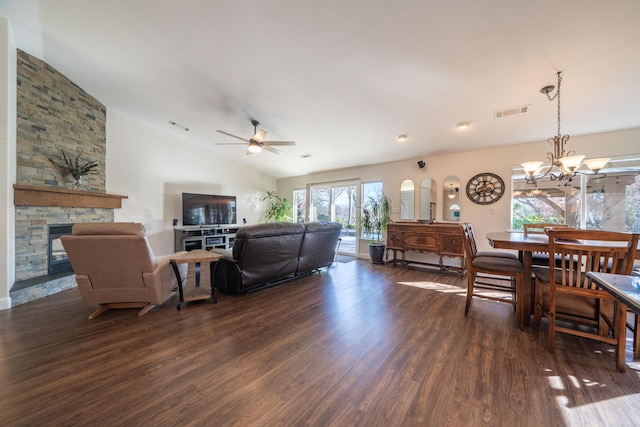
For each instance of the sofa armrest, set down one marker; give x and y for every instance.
(227, 255)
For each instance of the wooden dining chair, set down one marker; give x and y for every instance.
(474, 246)
(538, 227)
(541, 258)
(565, 294)
(491, 267)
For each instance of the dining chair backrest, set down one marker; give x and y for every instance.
(582, 251)
(538, 228)
(470, 240)
(569, 288)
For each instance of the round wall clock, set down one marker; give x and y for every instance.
(485, 188)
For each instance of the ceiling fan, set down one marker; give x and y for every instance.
(257, 142)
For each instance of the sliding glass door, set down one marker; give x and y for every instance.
(337, 202)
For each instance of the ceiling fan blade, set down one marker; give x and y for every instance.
(230, 143)
(273, 150)
(259, 136)
(272, 143)
(232, 135)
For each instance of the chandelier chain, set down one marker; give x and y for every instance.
(558, 95)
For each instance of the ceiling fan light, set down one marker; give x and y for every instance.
(254, 147)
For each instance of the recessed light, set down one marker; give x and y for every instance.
(402, 138)
(463, 125)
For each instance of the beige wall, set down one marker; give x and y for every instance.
(153, 168)
(465, 165)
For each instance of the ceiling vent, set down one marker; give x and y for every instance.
(511, 112)
(178, 125)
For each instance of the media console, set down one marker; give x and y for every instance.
(205, 237)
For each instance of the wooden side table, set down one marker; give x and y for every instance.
(196, 258)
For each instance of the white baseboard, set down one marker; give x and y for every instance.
(5, 303)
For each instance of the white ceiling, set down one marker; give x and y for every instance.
(343, 78)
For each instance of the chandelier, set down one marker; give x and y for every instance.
(451, 194)
(566, 162)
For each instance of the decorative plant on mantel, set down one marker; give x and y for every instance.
(75, 167)
(278, 208)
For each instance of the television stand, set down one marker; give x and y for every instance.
(205, 237)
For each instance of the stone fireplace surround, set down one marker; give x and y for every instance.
(52, 113)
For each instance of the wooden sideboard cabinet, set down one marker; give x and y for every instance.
(443, 239)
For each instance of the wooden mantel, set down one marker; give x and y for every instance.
(26, 195)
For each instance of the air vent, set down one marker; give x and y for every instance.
(183, 127)
(305, 156)
(511, 112)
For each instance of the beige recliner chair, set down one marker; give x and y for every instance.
(116, 268)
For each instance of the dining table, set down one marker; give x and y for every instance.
(526, 245)
(626, 291)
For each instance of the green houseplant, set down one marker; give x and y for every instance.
(75, 168)
(279, 207)
(375, 215)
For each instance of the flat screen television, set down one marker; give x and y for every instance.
(208, 209)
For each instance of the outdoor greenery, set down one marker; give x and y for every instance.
(375, 215)
(610, 203)
(523, 213)
(279, 208)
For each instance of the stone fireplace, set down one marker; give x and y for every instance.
(34, 279)
(37, 229)
(52, 115)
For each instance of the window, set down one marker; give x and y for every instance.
(336, 201)
(613, 203)
(320, 204)
(370, 190)
(300, 205)
(550, 202)
(591, 202)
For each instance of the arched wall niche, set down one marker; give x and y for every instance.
(451, 198)
(428, 196)
(407, 200)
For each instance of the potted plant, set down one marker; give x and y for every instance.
(278, 208)
(375, 215)
(75, 168)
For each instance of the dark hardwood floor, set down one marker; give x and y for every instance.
(358, 344)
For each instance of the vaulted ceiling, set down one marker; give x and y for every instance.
(344, 78)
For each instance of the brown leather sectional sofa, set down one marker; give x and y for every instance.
(268, 254)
